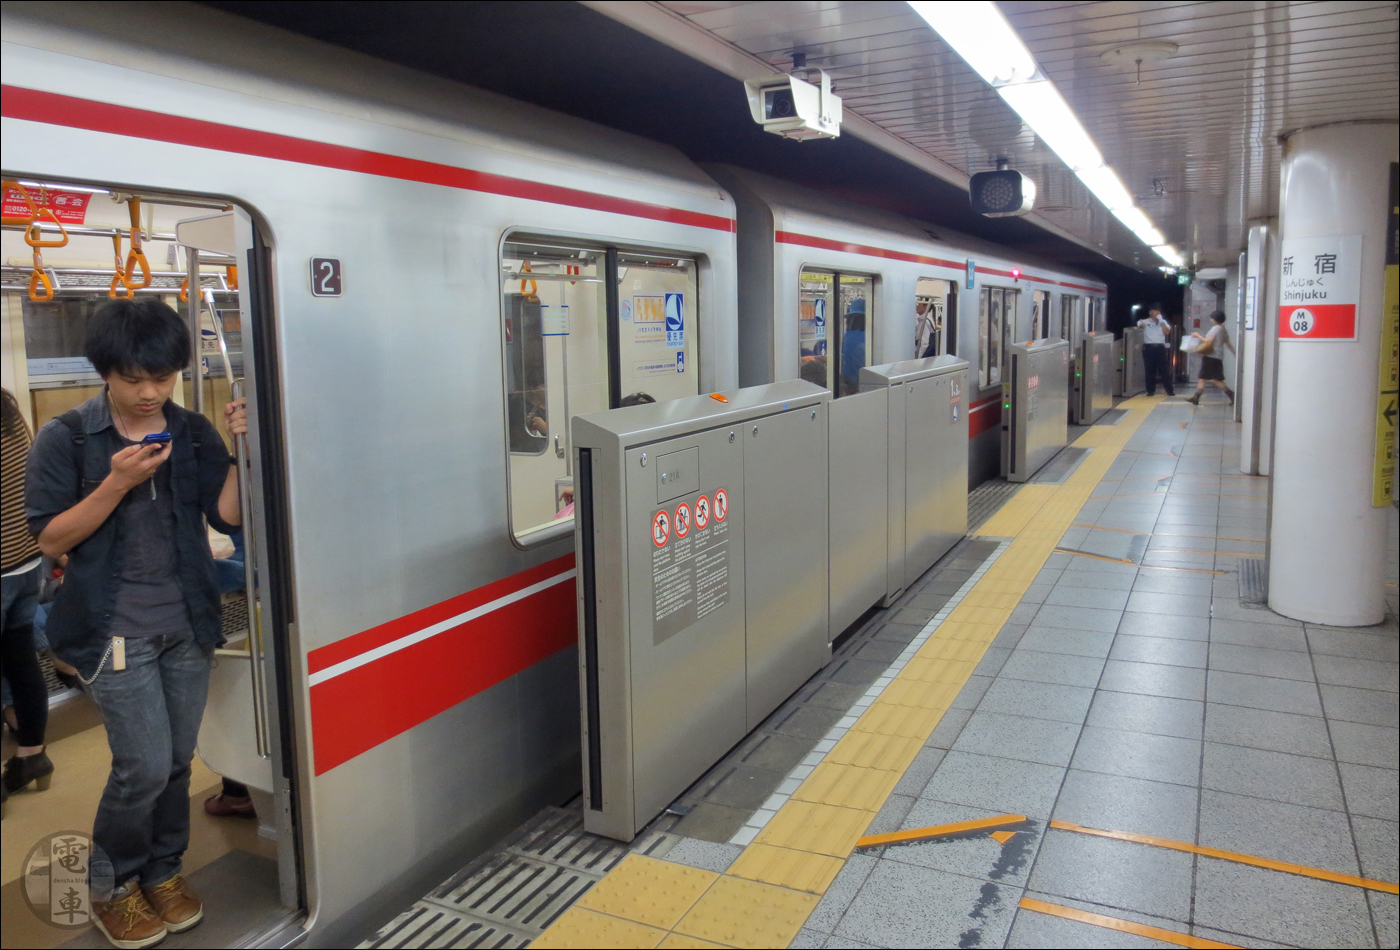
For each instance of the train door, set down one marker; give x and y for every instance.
(87, 245)
(584, 329)
(935, 323)
(833, 357)
(996, 315)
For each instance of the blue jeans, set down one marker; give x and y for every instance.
(153, 709)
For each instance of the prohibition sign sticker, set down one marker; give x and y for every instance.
(702, 511)
(721, 504)
(660, 529)
(682, 520)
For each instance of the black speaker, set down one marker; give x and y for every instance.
(1002, 193)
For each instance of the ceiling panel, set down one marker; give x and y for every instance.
(1194, 137)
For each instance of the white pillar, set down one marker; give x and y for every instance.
(1327, 542)
(1255, 392)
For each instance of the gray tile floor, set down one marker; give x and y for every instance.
(1151, 701)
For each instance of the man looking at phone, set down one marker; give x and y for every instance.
(123, 485)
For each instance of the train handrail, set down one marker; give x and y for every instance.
(40, 278)
(262, 732)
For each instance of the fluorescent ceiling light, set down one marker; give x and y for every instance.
(979, 33)
(1169, 254)
(981, 36)
(1106, 186)
(1040, 104)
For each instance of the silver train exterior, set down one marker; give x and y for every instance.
(788, 234)
(426, 659)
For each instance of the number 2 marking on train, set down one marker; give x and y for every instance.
(325, 276)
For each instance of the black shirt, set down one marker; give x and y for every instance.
(65, 467)
(149, 601)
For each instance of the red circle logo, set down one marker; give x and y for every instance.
(721, 504)
(660, 529)
(702, 512)
(682, 520)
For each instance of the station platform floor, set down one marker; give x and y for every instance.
(1074, 732)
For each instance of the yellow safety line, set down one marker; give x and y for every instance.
(1122, 926)
(1235, 856)
(774, 885)
(940, 831)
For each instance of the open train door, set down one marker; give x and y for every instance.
(242, 737)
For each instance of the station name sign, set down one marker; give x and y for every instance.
(1320, 288)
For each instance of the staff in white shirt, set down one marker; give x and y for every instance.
(1154, 350)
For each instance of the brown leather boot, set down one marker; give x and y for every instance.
(177, 903)
(127, 920)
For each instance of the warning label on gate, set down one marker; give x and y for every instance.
(721, 504)
(1320, 288)
(690, 577)
(660, 529)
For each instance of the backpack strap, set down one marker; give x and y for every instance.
(73, 419)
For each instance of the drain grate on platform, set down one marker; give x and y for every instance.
(509, 896)
(986, 500)
(1112, 417)
(1254, 581)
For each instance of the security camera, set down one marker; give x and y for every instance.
(1003, 193)
(795, 108)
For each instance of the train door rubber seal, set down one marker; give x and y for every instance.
(612, 303)
(584, 511)
(1011, 411)
(276, 509)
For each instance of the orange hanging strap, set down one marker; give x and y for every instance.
(185, 290)
(40, 287)
(34, 235)
(136, 256)
(534, 287)
(119, 277)
(232, 277)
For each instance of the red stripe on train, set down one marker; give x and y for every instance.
(983, 415)
(866, 250)
(358, 709)
(54, 109)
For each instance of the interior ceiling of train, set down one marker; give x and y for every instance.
(1193, 130)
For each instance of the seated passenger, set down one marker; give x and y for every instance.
(814, 370)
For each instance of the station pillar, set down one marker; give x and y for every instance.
(1327, 534)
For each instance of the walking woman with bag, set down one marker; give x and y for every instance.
(1210, 352)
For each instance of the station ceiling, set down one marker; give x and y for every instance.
(1193, 131)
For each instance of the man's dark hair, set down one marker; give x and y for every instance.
(137, 335)
(1218, 316)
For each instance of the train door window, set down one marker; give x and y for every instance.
(1069, 305)
(933, 308)
(1040, 315)
(834, 358)
(556, 318)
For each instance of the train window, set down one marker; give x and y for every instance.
(1040, 315)
(935, 303)
(556, 315)
(1069, 313)
(830, 359)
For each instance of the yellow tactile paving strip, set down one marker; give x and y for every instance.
(767, 894)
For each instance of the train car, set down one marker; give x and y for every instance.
(419, 284)
(827, 286)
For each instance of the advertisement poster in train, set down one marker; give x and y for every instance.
(1320, 288)
(655, 344)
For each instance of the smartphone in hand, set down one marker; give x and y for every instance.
(156, 438)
